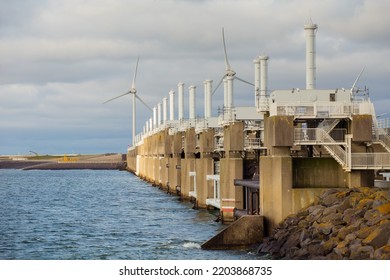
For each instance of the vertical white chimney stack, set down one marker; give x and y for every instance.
(256, 62)
(171, 105)
(154, 117)
(263, 81)
(310, 30)
(192, 104)
(165, 110)
(159, 111)
(180, 101)
(225, 93)
(207, 98)
(230, 102)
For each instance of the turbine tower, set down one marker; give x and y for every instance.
(229, 76)
(133, 92)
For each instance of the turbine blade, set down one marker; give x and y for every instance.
(220, 82)
(143, 102)
(116, 97)
(135, 74)
(242, 80)
(357, 79)
(227, 65)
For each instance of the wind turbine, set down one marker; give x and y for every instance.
(133, 92)
(354, 88)
(229, 75)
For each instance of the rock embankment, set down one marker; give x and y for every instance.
(351, 224)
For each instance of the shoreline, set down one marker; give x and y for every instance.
(55, 165)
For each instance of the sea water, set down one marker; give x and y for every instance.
(89, 214)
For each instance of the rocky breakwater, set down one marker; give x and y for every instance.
(351, 224)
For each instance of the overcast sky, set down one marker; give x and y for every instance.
(61, 59)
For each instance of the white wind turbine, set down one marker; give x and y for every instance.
(229, 75)
(135, 96)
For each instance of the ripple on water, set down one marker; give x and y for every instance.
(86, 214)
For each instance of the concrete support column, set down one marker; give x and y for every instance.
(187, 181)
(174, 173)
(275, 189)
(203, 167)
(230, 169)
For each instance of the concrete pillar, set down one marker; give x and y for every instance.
(174, 173)
(187, 182)
(203, 167)
(275, 190)
(230, 169)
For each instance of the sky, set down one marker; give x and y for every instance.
(61, 59)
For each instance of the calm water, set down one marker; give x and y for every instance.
(86, 214)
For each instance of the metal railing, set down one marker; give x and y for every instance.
(319, 136)
(252, 144)
(370, 160)
(383, 123)
(316, 110)
(328, 124)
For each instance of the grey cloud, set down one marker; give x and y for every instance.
(62, 59)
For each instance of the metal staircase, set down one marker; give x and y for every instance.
(341, 149)
(336, 151)
(381, 137)
(328, 124)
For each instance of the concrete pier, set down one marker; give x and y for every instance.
(295, 143)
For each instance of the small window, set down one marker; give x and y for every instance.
(332, 97)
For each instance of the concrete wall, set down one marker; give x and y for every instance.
(361, 178)
(234, 137)
(318, 173)
(361, 128)
(279, 134)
